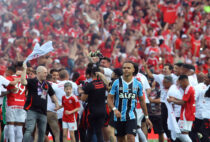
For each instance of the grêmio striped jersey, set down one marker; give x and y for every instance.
(125, 97)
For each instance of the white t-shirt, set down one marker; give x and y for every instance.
(50, 104)
(145, 84)
(193, 80)
(199, 100)
(159, 79)
(59, 92)
(5, 82)
(175, 91)
(108, 73)
(206, 111)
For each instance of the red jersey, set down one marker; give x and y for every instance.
(138, 105)
(170, 13)
(17, 98)
(70, 103)
(196, 45)
(107, 52)
(188, 109)
(152, 62)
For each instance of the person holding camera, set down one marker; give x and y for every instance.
(94, 93)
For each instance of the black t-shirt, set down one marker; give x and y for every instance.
(154, 109)
(37, 95)
(96, 97)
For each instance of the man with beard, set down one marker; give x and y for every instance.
(124, 93)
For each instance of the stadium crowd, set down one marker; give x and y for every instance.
(150, 57)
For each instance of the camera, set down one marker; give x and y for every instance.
(96, 54)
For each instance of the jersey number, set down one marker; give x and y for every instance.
(18, 86)
(127, 96)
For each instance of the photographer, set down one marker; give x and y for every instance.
(95, 92)
(103, 63)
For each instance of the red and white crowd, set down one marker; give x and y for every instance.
(169, 40)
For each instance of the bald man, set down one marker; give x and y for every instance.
(36, 102)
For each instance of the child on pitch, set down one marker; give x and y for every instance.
(71, 107)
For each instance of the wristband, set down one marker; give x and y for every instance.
(146, 117)
(114, 108)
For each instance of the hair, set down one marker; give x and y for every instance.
(49, 77)
(118, 72)
(67, 84)
(75, 76)
(182, 77)
(191, 67)
(12, 69)
(63, 74)
(179, 64)
(107, 59)
(88, 71)
(94, 36)
(53, 70)
(200, 77)
(135, 67)
(186, 66)
(92, 69)
(30, 69)
(168, 78)
(19, 65)
(169, 66)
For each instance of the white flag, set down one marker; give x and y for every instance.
(172, 123)
(40, 50)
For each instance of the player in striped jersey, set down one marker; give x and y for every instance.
(123, 93)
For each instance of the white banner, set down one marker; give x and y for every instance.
(40, 51)
(172, 123)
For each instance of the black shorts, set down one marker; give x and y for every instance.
(207, 125)
(95, 121)
(157, 124)
(127, 127)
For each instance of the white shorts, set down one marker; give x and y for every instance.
(185, 126)
(140, 116)
(15, 114)
(70, 126)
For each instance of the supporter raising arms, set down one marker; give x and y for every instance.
(36, 102)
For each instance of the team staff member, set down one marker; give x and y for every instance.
(36, 103)
(124, 93)
(94, 93)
